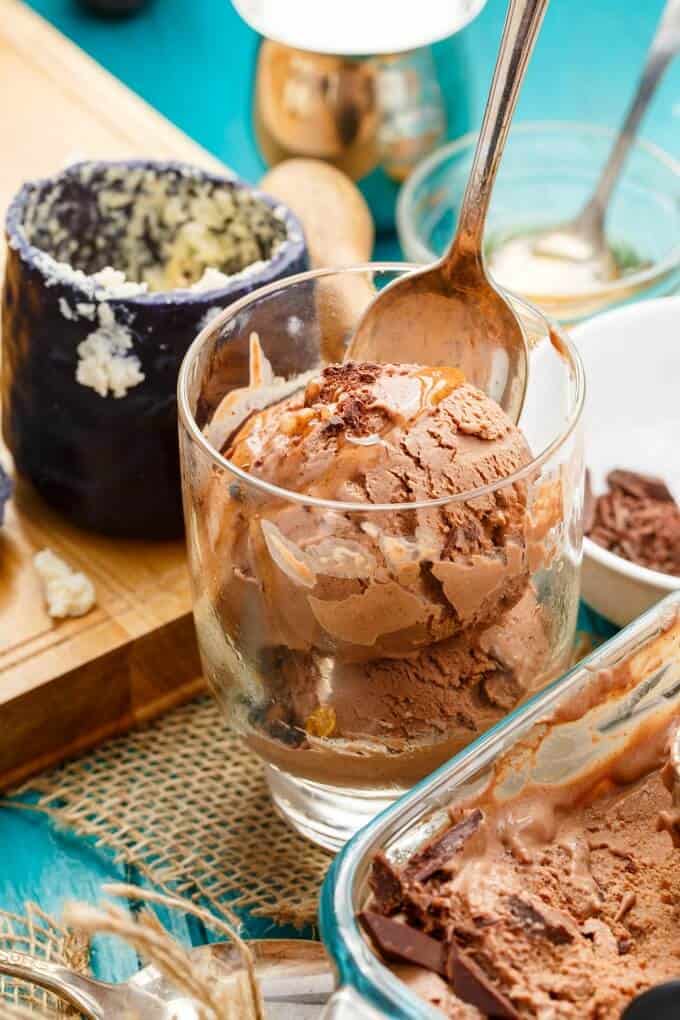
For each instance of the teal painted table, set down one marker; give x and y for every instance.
(193, 61)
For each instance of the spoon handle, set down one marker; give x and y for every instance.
(80, 991)
(665, 46)
(522, 24)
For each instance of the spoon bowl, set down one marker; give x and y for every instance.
(433, 318)
(452, 314)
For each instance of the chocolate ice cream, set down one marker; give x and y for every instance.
(450, 690)
(372, 625)
(381, 583)
(560, 903)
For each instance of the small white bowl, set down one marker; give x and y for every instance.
(632, 420)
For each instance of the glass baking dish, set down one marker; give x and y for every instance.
(593, 711)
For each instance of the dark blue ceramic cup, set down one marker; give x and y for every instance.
(90, 366)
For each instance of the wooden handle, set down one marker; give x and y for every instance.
(333, 212)
(339, 231)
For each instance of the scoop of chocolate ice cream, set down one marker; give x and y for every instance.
(367, 584)
(457, 687)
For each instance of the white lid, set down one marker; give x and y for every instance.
(356, 27)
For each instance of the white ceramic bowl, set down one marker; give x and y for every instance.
(632, 420)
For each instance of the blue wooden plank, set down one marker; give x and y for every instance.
(48, 867)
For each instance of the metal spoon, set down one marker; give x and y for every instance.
(451, 313)
(582, 240)
(294, 974)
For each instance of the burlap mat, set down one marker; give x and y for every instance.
(39, 935)
(185, 803)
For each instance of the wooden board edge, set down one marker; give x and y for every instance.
(101, 92)
(17, 776)
(105, 697)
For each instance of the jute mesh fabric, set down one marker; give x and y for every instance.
(38, 935)
(185, 802)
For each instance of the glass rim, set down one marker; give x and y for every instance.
(405, 200)
(188, 421)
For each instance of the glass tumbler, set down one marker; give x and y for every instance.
(315, 615)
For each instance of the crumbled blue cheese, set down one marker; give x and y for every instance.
(66, 309)
(104, 361)
(107, 283)
(165, 229)
(87, 310)
(67, 592)
(209, 315)
(212, 279)
(114, 282)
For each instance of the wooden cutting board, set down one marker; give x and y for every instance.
(66, 685)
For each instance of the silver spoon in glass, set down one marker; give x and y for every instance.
(451, 313)
(582, 240)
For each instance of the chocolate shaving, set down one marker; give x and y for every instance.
(404, 944)
(436, 855)
(639, 486)
(386, 885)
(472, 985)
(537, 922)
(637, 519)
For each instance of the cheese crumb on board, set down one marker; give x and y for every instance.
(104, 363)
(67, 592)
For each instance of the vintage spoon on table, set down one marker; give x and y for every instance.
(295, 977)
(582, 240)
(451, 313)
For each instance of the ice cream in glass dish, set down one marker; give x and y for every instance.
(384, 564)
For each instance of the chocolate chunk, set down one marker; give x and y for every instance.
(435, 856)
(537, 922)
(401, 942)
(293, 736)
(386, 885)
(273, 719)
(639, 486)
(334, 425)
(473, 986)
